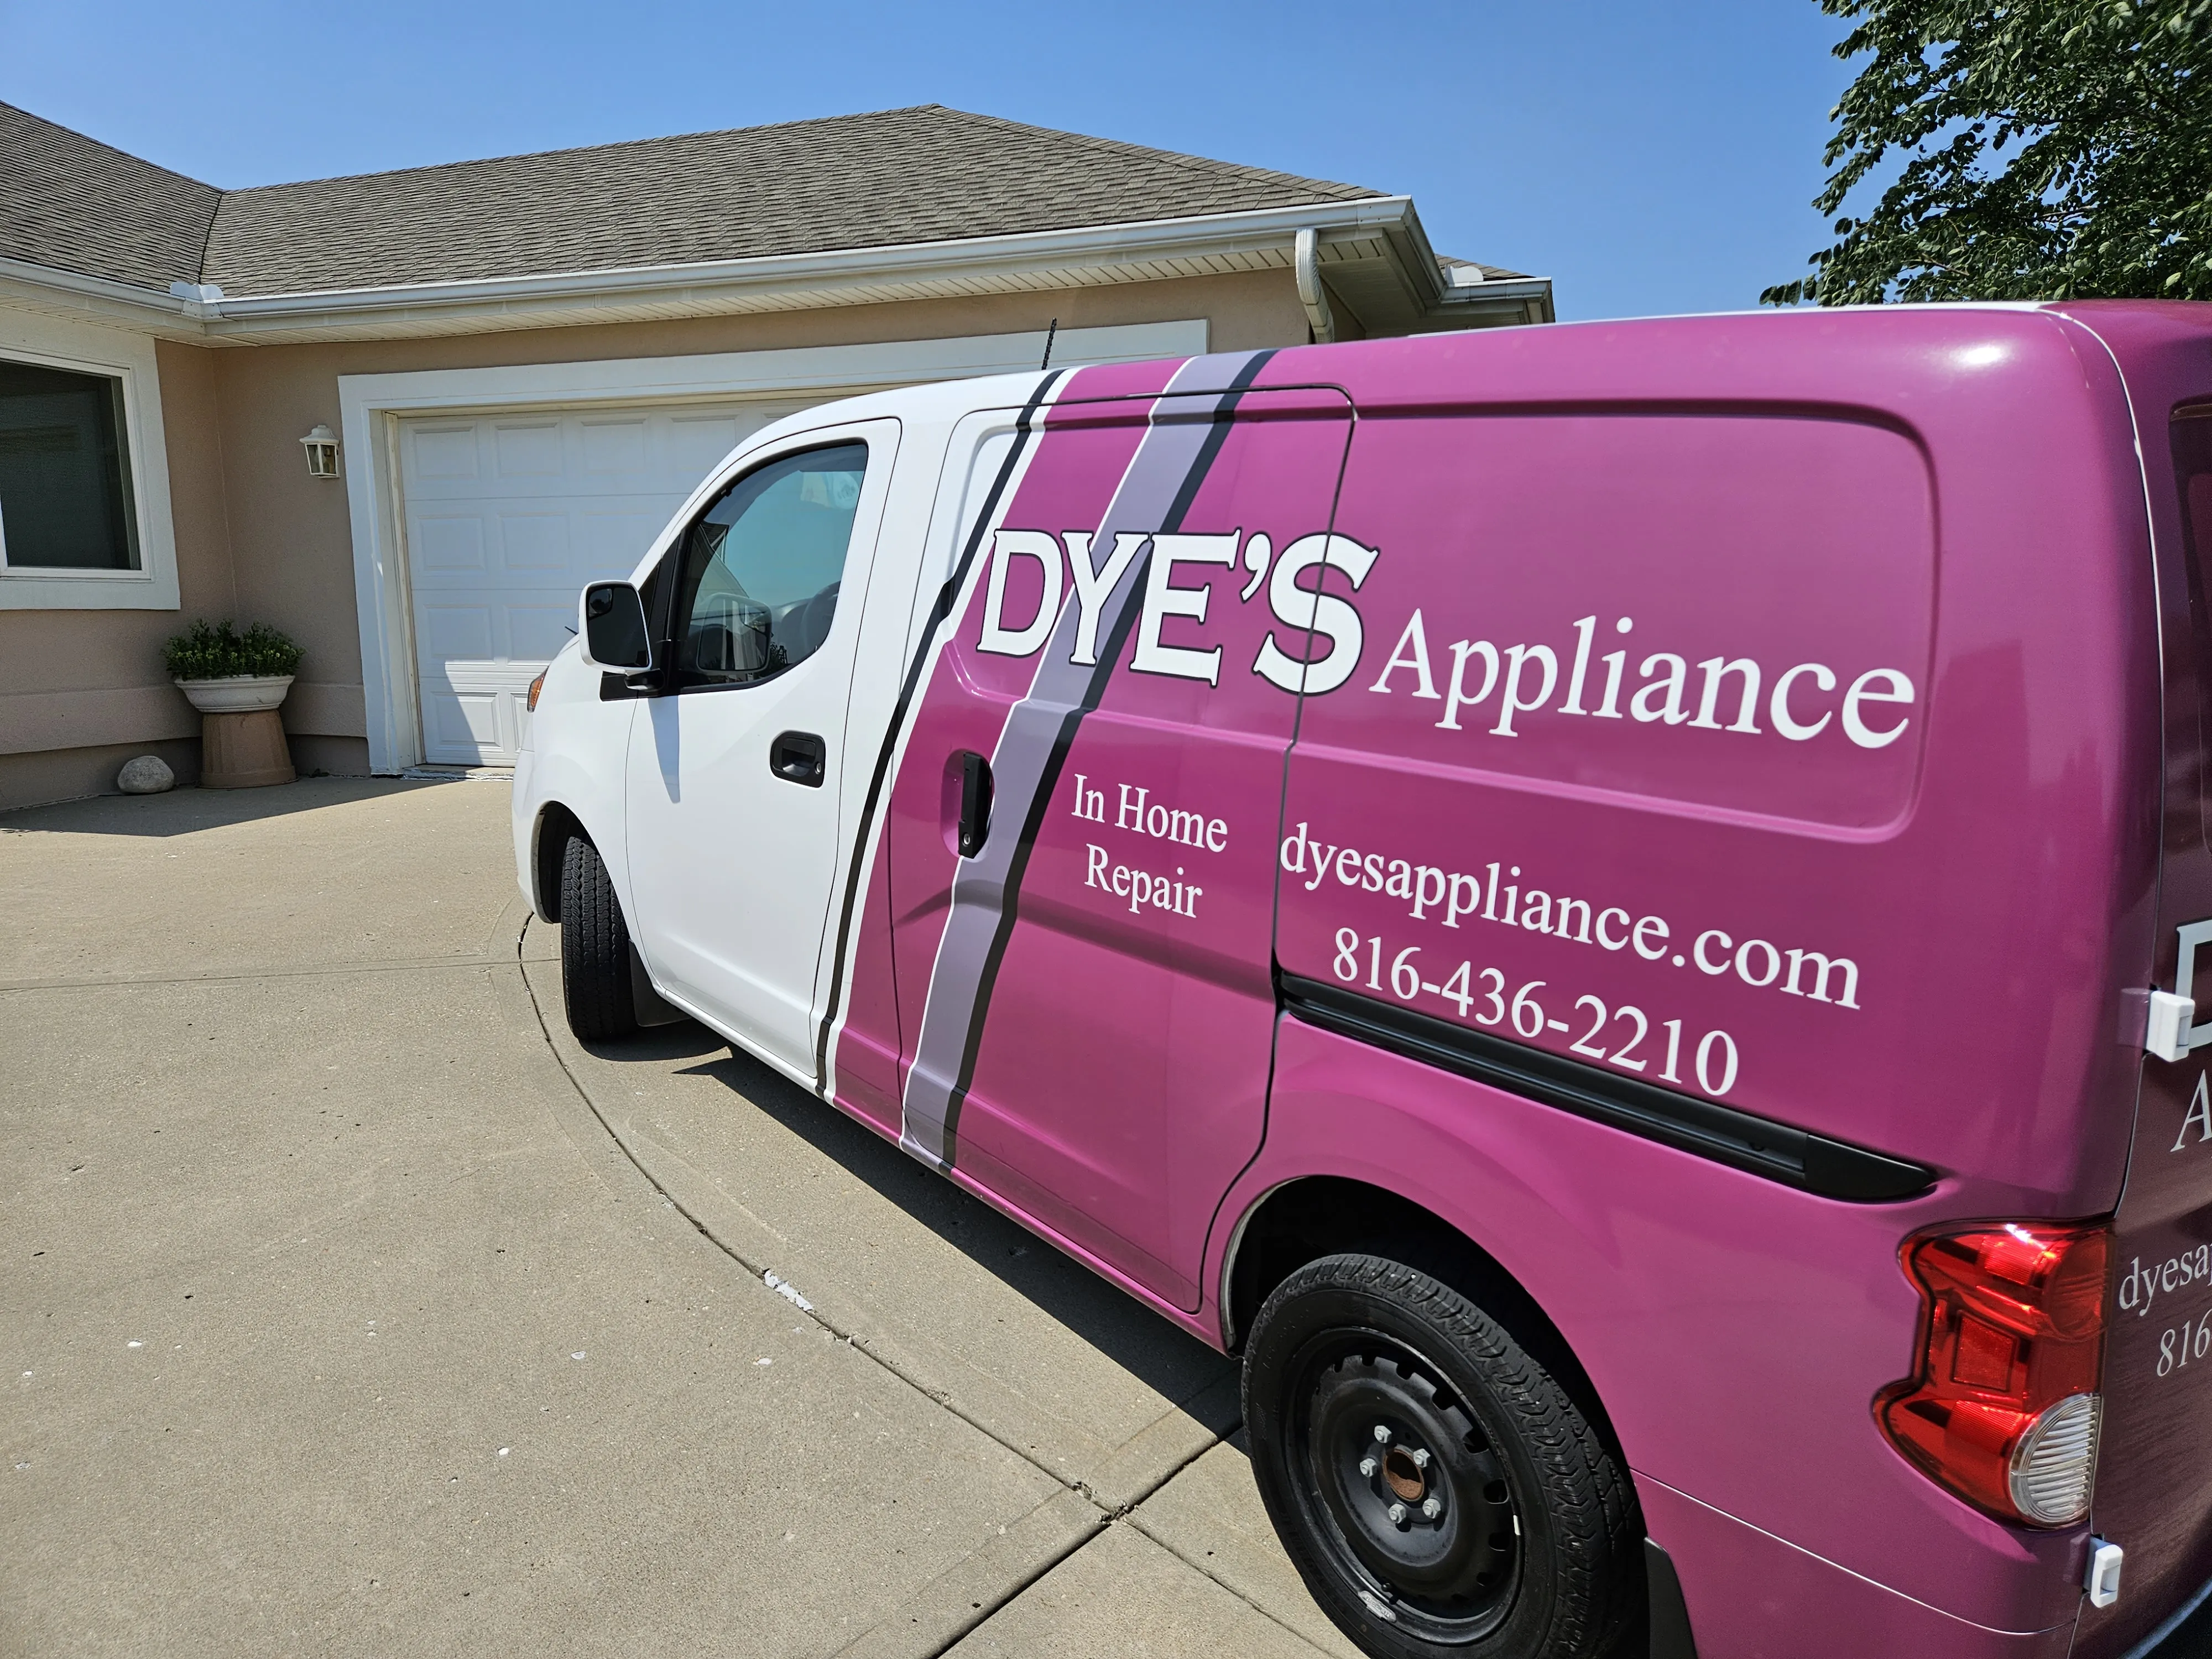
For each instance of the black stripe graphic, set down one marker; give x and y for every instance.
(1743, 1140)
(946, 596)
(1110, 657)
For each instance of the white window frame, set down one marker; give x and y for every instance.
(115, 353)
(370, 407)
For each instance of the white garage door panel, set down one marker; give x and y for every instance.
(508, 517)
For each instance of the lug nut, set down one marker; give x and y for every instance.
(1397, 1515)
(1433, 1507)
(1420, 1457)
(1382, 1434)
(1367, 1467)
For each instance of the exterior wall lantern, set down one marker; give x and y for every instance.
(322, 446)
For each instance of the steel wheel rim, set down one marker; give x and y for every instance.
(1446, 1564)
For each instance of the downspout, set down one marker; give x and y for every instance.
(1305, 260)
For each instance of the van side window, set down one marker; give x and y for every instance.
(2190, 435)
(758, 572)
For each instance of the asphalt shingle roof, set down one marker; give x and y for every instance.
(1490, 273)
(923, 175)
(73, 203)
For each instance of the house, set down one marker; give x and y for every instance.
(529, 361)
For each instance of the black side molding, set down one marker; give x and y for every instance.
(1669, 1613)
(1796, 1158)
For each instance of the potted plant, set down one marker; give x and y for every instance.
(236, 680)
(223, 672)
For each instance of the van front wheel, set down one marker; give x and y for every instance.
(595, 979)
(1437, 1490)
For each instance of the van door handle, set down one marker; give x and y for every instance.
(797, 757)
(975, 802)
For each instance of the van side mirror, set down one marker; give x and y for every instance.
(614, 628)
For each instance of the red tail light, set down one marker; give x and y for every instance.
(2003, 1408)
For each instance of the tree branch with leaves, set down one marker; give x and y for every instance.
(2050, 149)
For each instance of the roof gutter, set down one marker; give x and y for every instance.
(1268, 229)
(101, 299)
(1530, 295)
(1269, 237)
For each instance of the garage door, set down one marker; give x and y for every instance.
(508, 517)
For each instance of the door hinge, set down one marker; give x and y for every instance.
(2103, 1578)
(2171, 1031)
(2172, 1019)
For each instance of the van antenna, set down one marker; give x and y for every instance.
(1049, 335)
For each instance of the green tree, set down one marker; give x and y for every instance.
(2051, 149)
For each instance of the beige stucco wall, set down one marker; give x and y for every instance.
(259, 539)
(81, 692)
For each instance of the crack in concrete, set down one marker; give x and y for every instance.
(756, 1270)
(1136, 1523)
(216, 977)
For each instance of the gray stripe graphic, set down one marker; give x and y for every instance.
(1148, 489)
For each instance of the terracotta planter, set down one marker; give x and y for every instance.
(241, 736)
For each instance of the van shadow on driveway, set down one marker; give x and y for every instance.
(1131, 1413)
(1148, 1348)
(1066, 1365)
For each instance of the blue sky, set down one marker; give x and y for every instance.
(1650, 157)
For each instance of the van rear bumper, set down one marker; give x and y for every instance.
(1751, 1596)
(2185, 1633)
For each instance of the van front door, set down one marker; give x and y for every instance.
(1085, 978)
(735, 773)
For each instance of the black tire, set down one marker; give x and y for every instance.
(595, 981)
(1533, 1549)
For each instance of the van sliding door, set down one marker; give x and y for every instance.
(1082, 829)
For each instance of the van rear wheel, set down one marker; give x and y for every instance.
(595, 977)
(1439, 1492)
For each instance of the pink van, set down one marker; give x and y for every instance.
(1613, 907)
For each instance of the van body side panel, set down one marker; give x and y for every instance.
(2152, 1496)
(1122, 1071)
(1548, 872)
(586, 778)
(1927, 507)
(1074, 464)
(858, 1065)
(1942, 500)
(1750, 1595)
(866, 1081)
(959, 497)
(1097, 1010)
(1736, 1330)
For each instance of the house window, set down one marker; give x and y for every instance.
(65, 494)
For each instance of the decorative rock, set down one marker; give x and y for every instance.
(149, 774)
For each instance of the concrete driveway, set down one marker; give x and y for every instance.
(351, 1308)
